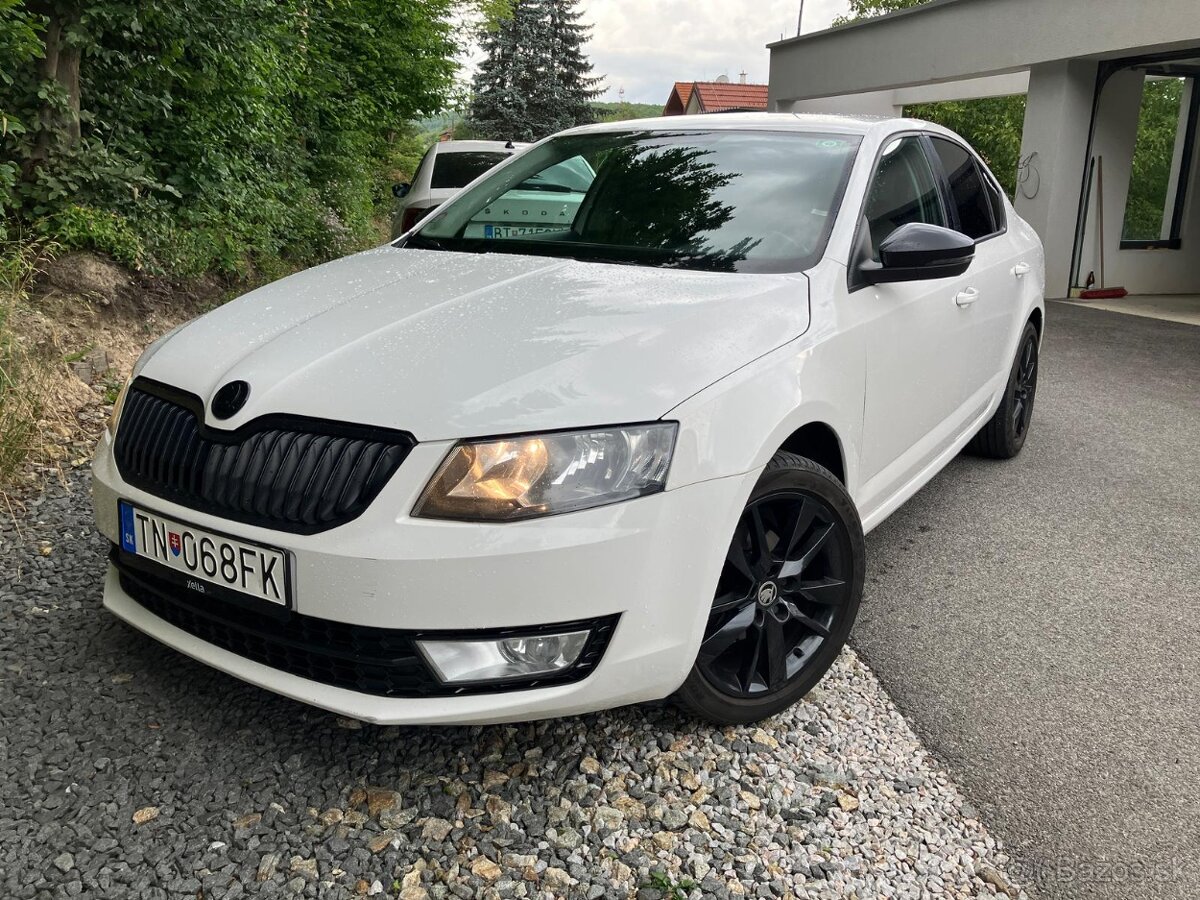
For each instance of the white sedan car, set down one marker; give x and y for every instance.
(491, 475)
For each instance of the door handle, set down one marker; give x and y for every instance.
(967, 297)
(1020, 270)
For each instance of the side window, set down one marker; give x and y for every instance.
(972, 200)
(903, 191)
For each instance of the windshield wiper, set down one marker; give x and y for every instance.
(554, 188)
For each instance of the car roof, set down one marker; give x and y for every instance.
(476, 146)
(756, 121)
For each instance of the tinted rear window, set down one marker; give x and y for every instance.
(455, 170)
(966, 184)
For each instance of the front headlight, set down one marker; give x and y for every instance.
(543, 474)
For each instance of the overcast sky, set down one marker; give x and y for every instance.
(647, 46)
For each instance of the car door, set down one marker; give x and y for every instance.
(915, 386)
(991, 308)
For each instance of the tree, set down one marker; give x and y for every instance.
(534, 79)
(60, 109)
(992, 125)
(202, 134)
(506, 76)
(869, 9)
(571, 87)
(20, 43)
(1154, 151)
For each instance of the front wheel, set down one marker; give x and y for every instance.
(786, 599)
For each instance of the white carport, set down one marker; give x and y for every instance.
(1084, 65)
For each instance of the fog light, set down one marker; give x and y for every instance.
(513, 657)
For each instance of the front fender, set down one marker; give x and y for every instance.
(737, 424)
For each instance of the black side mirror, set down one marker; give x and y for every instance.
(400, 190)
(916, 251)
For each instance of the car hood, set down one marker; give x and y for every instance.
(450, 345)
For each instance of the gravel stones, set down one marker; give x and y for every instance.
(669, 816)
(144, 815)
(486, 869)
(181, 782)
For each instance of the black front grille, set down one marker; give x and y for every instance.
(380, 661)
(284, 472)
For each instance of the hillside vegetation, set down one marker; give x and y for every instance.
(188, 138)
(203, 146)
(619, 112)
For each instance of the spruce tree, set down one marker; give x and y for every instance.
(535, 78)
(498, 107)
(572, 85)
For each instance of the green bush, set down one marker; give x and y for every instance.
(87, 228)
(259, 135)
(992, 125)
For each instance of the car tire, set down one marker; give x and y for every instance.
(1004, 434)
(796, 605)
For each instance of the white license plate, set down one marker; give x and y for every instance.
(516, 231)
(205, 558)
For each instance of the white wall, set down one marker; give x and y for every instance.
(948, 40)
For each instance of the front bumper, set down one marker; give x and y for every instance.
(651, 564)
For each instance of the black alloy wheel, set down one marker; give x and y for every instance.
(1004, 434)
(786, 597)
(1025, 386)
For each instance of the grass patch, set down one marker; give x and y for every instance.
(79, 354)
(20, 408)
(668, 887)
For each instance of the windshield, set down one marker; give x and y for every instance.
(733, 201)
(455, 170)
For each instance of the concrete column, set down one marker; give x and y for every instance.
(1058, 116)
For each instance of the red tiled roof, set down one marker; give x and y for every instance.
(715, 96)
(678, 101)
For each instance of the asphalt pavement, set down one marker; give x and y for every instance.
(1038, 620)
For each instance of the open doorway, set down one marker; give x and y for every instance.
(1139, 222)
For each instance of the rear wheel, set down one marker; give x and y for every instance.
(786, 599)
(1004, 434)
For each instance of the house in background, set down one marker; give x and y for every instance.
(694, 97)
(677, 103)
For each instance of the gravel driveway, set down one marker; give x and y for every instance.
(127, 770)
